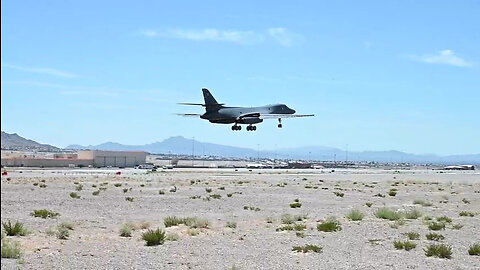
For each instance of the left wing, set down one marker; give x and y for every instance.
(276, 116)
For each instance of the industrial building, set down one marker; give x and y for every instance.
(113, 158)
(84, 158)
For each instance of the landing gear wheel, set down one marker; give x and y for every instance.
(236, 127)
(254, 128)
(280, 126)
(280, 123)
(249, 128)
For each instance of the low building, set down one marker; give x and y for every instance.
(114, 158)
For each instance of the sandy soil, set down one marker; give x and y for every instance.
(96, 243)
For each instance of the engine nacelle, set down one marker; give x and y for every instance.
(250, 120)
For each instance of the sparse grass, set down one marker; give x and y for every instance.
(117, 184)
(392, 192)
(436, 226)
(130, 199)
(14, 229)
(467, 214)
(125, 190)
(387, 213)
(329, 225)
(413, 236)
(355, 215)
(253, 208)
(439, 250)
(474, 249)
(95, 193)
(300, 234)
(74, 195)
(42, 185)
(413, 214)
(62, 232)
(398, 223)
(269, 220)
(126, 229)
(208, 190)
(231, 224)
(144, 225)
(215, 196)
(422, 202)
(161, 192)
(192, 232)
(307, 248)
(229, 195)
(457, 226)
(287, 219)
(172, 221)
(79, 187)
(435, 236)
(192, 222)
(444, 219)
(44, 213)
(464, 200)
(172, 237)
(11, 249)
(407, 245)
(296, 205)
(154, 237)
(369, 204)
(338, 194)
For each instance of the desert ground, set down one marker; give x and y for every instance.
(246, 226)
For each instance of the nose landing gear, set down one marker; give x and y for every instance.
(280, 123)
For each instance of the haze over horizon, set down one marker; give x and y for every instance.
(377, 75)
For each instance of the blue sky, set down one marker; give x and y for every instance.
(378, 75)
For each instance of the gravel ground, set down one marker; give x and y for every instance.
(95, 242)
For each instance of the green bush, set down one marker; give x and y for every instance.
(435, 236)
(436, 226)
(467, 214)
(74, 195)
(368, 204)
(444, 219)
(413, 235)
(154, 237)
(330, 225)
(422, 202)
(338, 194)
(439, 250)
(307, 248)
(14, 229)
(474, 249)
(407, 245)
(295, 205)
(44, 213)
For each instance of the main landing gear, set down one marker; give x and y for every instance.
(251, 128)
(236, 127)
(280, 123)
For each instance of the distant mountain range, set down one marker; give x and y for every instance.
(16, 142)
(182, 146)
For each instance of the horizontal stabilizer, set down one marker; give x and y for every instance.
(189, 114)
(199, 104)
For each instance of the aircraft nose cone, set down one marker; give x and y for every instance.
(292, 111)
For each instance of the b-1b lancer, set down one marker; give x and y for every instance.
(219, 114)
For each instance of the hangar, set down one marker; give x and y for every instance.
(114, 158)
